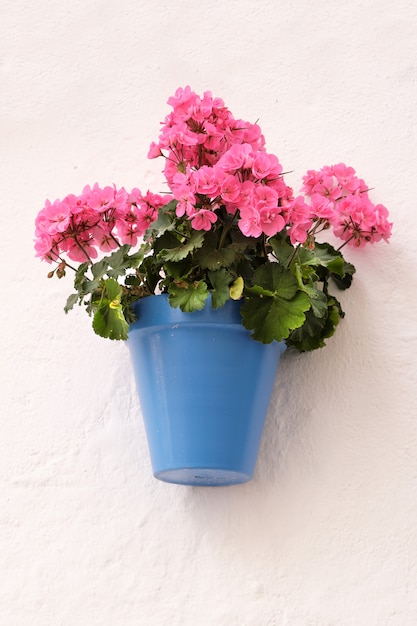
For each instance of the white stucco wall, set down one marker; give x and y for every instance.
(326, 533)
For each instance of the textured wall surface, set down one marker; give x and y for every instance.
(326, 533)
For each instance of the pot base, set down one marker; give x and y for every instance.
(203, 477)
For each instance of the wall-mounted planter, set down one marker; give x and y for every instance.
(204, 388)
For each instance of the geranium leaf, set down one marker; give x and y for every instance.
(112, 290)
(109, 321)
(345, 281)
(283, 251)
(330, 258)
(71, 301)
(312, 334)
(188, 296)
(164, 222)
(99, 269)
(220, 280)
(180, 251)
(277, 280)
(236, 288)
(318, 300)
(179, 269)
(273, 318)
(212, 259)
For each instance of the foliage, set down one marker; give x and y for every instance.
(230, 227)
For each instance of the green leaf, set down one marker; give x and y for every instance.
(188, 296)
(180, 269)
(318, 299)
(273, 318)
(80, 276)
(330, 258)
(137, 257)
(236, 288)
(109, 320)
(89, 286)
(327, 262)
(119, 261)
(100, 268)
(346, 281)
(150, 269)
(116, 264)
(312, 334)
(165, 220)
(112, 290)
(179, 251)
(276, 280)
(211, 258)
(71, 301)
(282, 249)
(274, 305)
(220, 280)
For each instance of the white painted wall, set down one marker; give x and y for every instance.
(326, 533)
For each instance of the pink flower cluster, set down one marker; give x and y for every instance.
(213, 160)
(340, 199)
(98, 219)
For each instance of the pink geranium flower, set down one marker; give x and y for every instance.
(238, 156)
(58, 216)
(250, 222)
(230, 190)
(207, 180)
(203, 219)
(271, 220)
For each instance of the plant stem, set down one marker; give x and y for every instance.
(66, 264)
(345, 242)
(294, 254)
(83, 250)
(115, 240)
(226, 229)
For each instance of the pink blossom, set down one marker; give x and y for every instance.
(322, 207)
(102, 237)
(298, 216)
(80, 249)
(253, 135)
(230, 190)
(154, 151)
(247, 192)
(145, 216)
(58, 215)
(382, 227)
(238, 156)
(203, 219)
(249, 222)
(43, 245)
(187, 104)
(101, 199)
(183, 190)
(77, 204)
(212, 161)
(358, 221)
(321, 182)
(271, 221)
(264, 196)
(207, 180)
(266, 165)
(346, 177)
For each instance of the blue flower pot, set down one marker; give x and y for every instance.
(204, 388)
